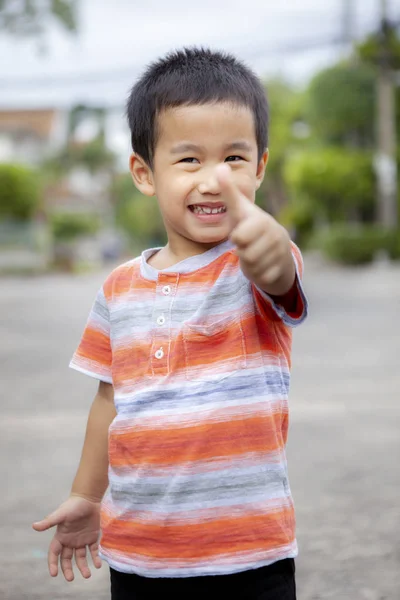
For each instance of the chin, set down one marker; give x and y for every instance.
(211, 239)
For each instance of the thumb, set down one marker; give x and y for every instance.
(238, 206)
(55, 518)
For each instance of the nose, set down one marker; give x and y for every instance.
(209, 183)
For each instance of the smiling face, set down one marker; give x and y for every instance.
(192, 141)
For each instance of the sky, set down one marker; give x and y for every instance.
(117, 38)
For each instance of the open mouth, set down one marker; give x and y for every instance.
(201, 209)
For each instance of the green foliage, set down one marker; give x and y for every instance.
(286, 107)
(394, 245)
(70, 226)
(136, 214)
(371, 49)
(29, 17)
(299, 216)
(341, 105)
(335, 182)
(20, 192)
(357, 245)
(286, 110)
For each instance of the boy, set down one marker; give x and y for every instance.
(191, 344)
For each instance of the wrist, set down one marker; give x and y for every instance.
(89, 497)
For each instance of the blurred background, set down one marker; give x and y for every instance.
(69, 212)
(332, 71)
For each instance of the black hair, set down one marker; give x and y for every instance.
(187, 77)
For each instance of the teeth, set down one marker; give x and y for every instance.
(206, 210)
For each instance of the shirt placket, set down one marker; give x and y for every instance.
(167, 284)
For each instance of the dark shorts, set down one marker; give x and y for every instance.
(275, 582)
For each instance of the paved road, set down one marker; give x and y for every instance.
(344, 441)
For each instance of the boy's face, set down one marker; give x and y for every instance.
(192, 141)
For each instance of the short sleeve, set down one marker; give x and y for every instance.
(265, 302)
(93, 356)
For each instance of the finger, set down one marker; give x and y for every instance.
(53, 554)
(55, 518)
(94, 551)
(66, 563)
(248, 231)
(256, 251)
(272, 274)
(81, 562)
(236, 203)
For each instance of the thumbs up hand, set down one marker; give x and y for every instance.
(263, 245)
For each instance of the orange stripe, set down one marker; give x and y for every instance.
(120, 282)
(199, 541)
(174, 446)
(95, 346)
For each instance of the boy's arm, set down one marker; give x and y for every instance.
(91, 479)
(78, 518)
(267, 256)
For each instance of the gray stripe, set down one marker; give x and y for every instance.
(207, 490)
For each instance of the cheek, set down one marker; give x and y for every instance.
(176, 183)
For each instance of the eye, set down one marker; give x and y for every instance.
(190, 160)
(234, 158)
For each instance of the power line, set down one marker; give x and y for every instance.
(130, 72)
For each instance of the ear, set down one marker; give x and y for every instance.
(261, 168)
(142, 175)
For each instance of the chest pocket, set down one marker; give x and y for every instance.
(214, 351)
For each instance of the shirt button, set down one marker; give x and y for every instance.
(159, 354)
(166, 290)
(161, 320)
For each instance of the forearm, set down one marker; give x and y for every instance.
(91, 480)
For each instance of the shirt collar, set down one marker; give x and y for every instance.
(188, 265)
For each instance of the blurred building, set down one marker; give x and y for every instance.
(33, 136)
(29, 136)
(36, 136)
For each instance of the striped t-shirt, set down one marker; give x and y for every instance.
(199, 359)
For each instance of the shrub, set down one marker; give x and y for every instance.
(136, 214)
(357, 245)
(299, 218)
(20, 192)
(336, 181)
(69, 226)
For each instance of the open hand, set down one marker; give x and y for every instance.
(263, 245)
(78, 528)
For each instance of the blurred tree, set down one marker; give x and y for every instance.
(69, 226)
(370, 50)
(329, 185)
(136, 214)
(92, 154)
(341, 105)
(286, 110)
(30, 17)
(20, 193)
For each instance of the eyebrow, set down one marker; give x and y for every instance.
(188, 147)
(240, 145)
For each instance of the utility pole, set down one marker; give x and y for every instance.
(385, 158)
(348, 21)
